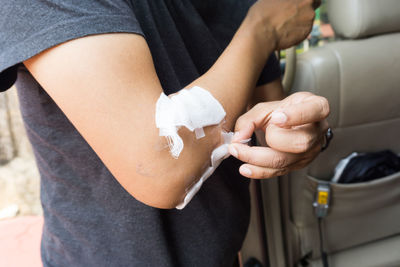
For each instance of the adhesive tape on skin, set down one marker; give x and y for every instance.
(217, 156)
(194, 109)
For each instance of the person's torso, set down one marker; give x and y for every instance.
(90, 220)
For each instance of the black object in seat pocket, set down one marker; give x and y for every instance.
(370, 166)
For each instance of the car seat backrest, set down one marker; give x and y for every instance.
(354, 19)
(361, 79)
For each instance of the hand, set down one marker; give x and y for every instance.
(294, 132)
(288, 21)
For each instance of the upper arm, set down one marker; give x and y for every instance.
(107, 87)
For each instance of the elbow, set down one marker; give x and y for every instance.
(161, 192)
(164, 204)
(161, 201)
(157, 179)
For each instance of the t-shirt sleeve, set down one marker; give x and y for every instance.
(30, 27)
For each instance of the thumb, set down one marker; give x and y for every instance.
(255, 118)
(244, 129)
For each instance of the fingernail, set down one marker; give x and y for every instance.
(233, 151)
(278, 117)
(245, 171)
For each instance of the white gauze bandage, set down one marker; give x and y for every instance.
(194, 109)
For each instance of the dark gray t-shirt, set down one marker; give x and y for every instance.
(90, 220)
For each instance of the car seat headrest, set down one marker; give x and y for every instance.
(361, 18)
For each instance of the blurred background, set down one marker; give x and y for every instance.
(20, 209)
(19, 178)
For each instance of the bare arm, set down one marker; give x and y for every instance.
(107, 87)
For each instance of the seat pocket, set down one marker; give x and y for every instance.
(358, 213)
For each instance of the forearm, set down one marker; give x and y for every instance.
(231, 80)
(233, 77)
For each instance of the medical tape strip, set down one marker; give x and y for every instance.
(194, 109)
(217, 156)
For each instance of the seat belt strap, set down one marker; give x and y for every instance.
(321, 205)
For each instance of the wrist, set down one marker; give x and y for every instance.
(261, 30)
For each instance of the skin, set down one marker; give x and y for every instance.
(107, 87)
(289, 144)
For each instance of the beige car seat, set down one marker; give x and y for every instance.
(360, 76)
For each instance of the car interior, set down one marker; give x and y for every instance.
(305, 219)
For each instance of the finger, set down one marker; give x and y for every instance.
(260, 172)
(298, 139)
(257, 172)
(263, 156)
(311, 109)
(253, 119)
(307, 157)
